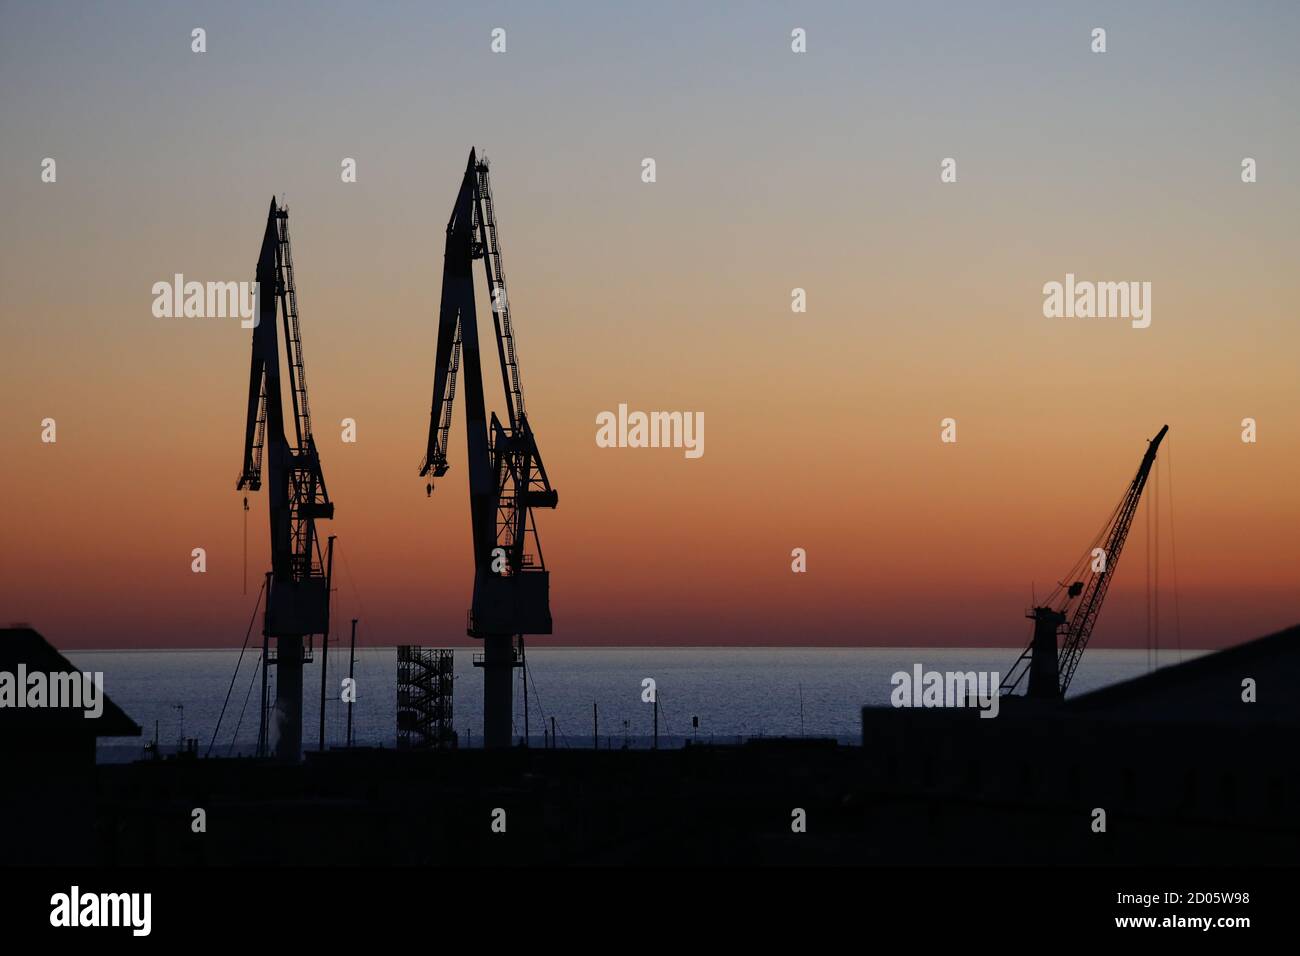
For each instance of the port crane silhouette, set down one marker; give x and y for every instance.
(507, 479)
(1049, 666)
(298, 584)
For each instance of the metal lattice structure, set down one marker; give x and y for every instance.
(297, 600)
(507, 480)
(424, 698)
(1050, 670)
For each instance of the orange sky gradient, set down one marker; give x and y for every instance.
(822, 429)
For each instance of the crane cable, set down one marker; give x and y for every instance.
(543, 711)
(526, 675)
(663, 712)
(1153, 564)
(245, 544)
(1155, 625)
(1076, 569)
(1155, 567)
(234, 738)
(1147, 509)
(1173, 554)
(247, 634)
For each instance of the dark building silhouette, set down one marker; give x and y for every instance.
(1186, 769)
(47, 794)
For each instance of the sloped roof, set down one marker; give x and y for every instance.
(23, 645)
(1209, 687)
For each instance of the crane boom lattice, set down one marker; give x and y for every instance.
(1050, 669)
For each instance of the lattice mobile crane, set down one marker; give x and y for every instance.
(1048, 667)
(298, 585)
(507, 479)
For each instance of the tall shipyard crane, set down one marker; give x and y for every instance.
(507, 479)
(297, 599)
(1049, 667)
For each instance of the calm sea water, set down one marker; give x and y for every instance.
(735, 692)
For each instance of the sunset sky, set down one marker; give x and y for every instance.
(775, 170)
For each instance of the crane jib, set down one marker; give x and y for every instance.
(1050, 671)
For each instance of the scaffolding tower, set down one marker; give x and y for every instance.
(424, 695)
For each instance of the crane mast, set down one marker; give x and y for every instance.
(1050, 670)
(507, 478)
(297, 600)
